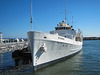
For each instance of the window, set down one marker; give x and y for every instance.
(45, 37)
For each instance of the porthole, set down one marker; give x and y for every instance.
(45, 37)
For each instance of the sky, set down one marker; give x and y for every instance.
(15, 16)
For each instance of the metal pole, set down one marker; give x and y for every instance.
(31, 15)
(0, 37)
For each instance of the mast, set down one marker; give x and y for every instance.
(72, 21)
(65, 12)
(33, 19)
(31, 15)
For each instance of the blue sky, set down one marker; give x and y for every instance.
(15, 16)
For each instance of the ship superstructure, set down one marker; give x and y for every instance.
(63, 29)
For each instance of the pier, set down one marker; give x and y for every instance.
(12, 44)
(6, 47)
(91, 38)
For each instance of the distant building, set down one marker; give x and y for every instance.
(0, 37)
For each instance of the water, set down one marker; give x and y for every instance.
(87, 62)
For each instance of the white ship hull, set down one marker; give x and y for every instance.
(47, 48)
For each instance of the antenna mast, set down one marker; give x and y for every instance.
(72, 21)
(31, 15)
(65, 11)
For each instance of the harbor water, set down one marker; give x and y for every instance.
(86, 62)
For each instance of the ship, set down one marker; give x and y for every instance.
(48, 48)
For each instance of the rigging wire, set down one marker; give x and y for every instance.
(37, 24)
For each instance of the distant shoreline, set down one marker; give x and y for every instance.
(91, 38)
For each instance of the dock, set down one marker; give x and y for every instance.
(91, 38)
(12, 46)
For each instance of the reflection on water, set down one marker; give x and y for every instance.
(21, 58)
(71, 66)
(1, 58)
(6, 62)
(10, 64)
(23, 65)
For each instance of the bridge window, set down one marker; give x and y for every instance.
(57, 28)
(62, 28)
